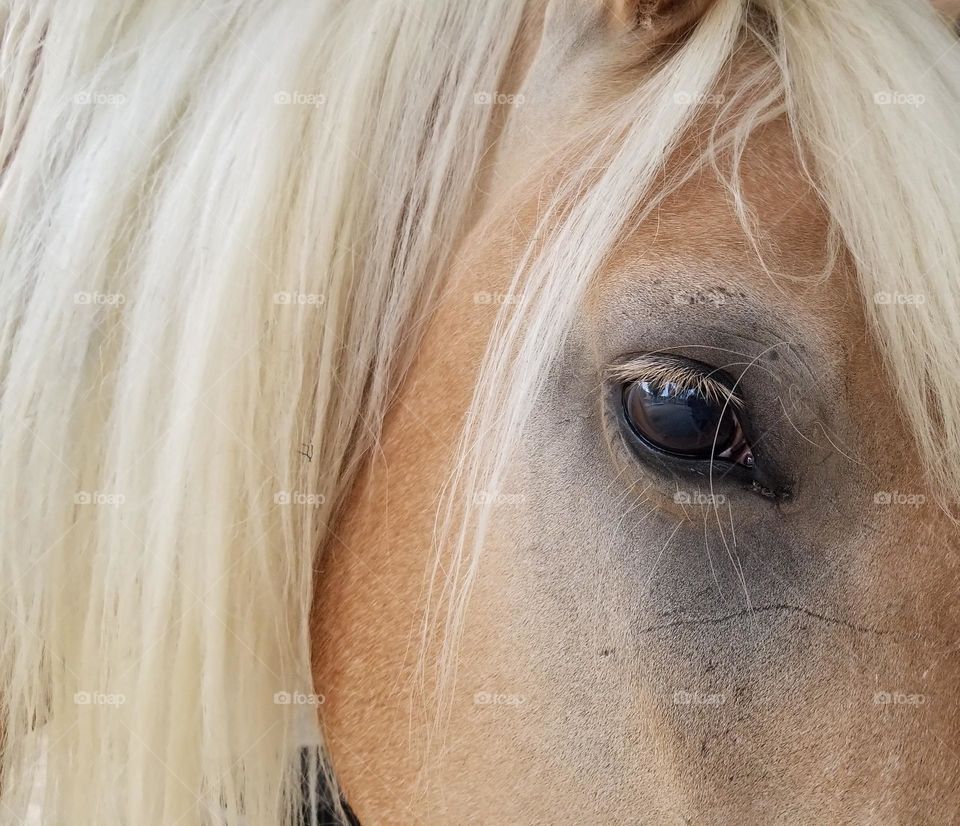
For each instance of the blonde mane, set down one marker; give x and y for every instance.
(222, 228)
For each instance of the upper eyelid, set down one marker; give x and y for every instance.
(682, 372)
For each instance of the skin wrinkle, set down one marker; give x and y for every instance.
(759, 609)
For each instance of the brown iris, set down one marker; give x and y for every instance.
(685, 421)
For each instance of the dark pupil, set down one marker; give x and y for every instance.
(679, 420)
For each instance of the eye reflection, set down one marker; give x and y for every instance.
(694, 418)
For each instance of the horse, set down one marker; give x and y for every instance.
(517, 411)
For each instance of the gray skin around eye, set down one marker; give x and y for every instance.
(605, 561)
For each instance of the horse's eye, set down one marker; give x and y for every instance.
(686, 422)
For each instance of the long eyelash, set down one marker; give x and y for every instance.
(661, 371)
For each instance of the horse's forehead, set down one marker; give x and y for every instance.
(562, 73)
(737, 227)
(700, 226)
